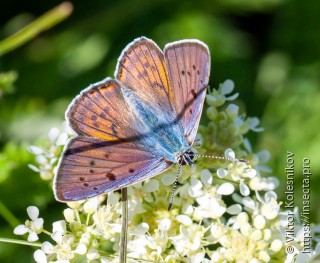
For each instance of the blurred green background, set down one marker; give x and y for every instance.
(269, 48)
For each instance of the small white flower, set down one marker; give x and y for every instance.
(164, 224)
(270, 207)
(39, 256)
(217, 230)
(81, 249)
(234, 209)
(253, 124)
(57, 236)
(232, 111)
(53, 134)
(195, 188)
(141, 229)
(185, 220)
(62, 139)
(227, 87)
(244, 189)
(209, 207)
(229, 153)
(91, 205)
(199, 257)
(259, 222)
(151, 186)
(263, 184)
(69, 215)
(206, 177)
(112, 198)
(187, 209)
(35, 150)
(189, 239)
(276, 245)
(75, 204)
(168, 179)
(226, 189)
(242, 218)
(47, 248)
(33, 227)
(249, 202)
(59, 226)
(221, 173)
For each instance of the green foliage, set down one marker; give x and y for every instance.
(6, 82)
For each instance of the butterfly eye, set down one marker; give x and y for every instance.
(187, 158)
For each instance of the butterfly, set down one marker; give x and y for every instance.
(138, 124)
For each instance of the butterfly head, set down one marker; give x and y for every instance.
(187, 157)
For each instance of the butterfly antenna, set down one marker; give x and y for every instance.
(221, 158)
(174, 187)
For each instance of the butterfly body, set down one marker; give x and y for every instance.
(137, 125)
(159, 132)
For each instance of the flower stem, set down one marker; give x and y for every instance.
(44, 22)
(124, 228)
(20, 242)
(46, 232)
(8, 216)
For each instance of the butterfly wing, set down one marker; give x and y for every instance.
(102, 112)
(142, 71)
(188, 65)
(91, 166)
(110, 151)
(141, 68)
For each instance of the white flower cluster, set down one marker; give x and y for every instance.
(47, 157)
(230, 214)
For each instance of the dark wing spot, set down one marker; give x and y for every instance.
(189, 74)
(139, 76)
(131, 170)
(102, 115)
(96, 125)
(201, 81)
(194, 67)
(156, 85)
(95, 188)
(94, 117)
(111, 176)
(92, 163)
(106, 155)
(113, 128)
(91, 171)
(198, 72)
(194, 94)
(183, 72)
(81, 179)
(86, 184)
(190, 111)
(145, 73)
(146, 64)
(69, 152)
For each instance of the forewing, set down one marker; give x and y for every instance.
(188, 65)
(141, 68)
(91, 166)
(101, 111)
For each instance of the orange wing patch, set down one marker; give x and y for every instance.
(102, 112)
(141, 68)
